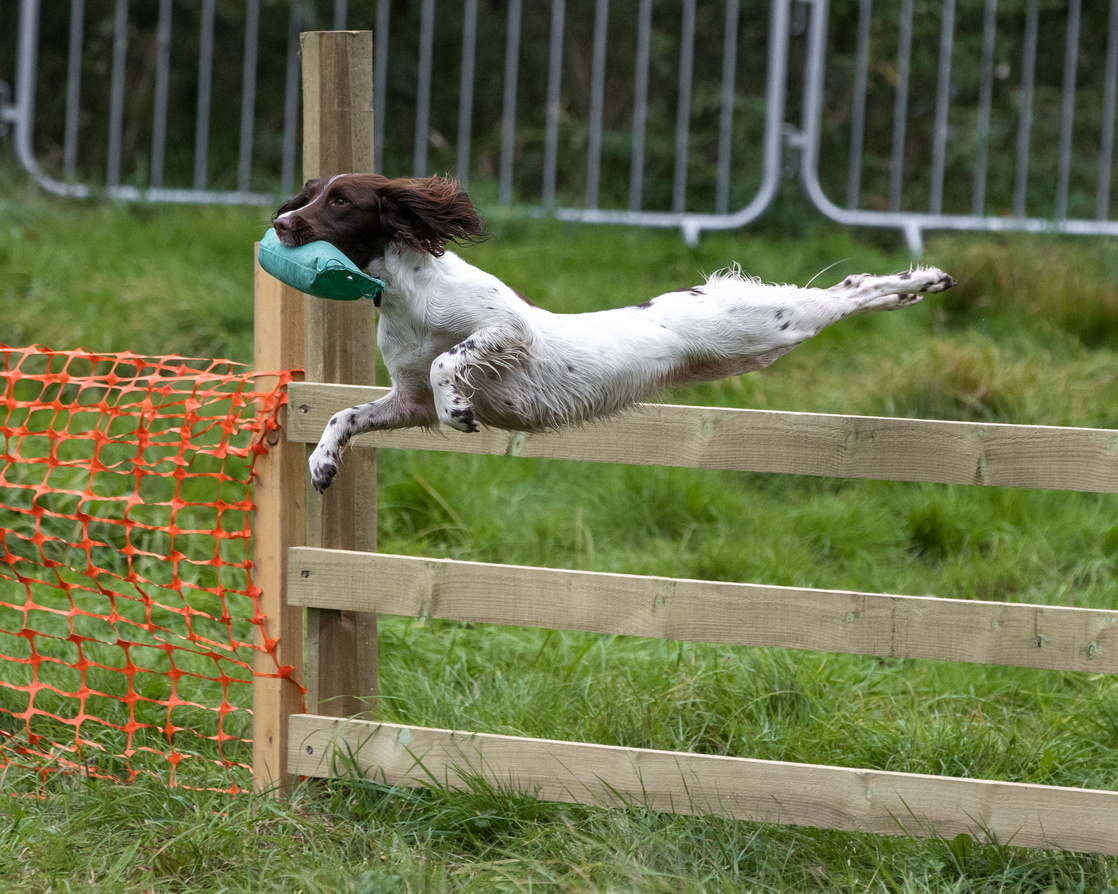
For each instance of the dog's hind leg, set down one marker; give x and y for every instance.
(784, 319)
(866, 292)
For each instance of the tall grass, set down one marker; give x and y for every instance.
(1029, 336)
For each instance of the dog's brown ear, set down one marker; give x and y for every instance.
(428, 213)
(310, 189)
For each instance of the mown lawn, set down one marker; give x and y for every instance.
(1030, 336)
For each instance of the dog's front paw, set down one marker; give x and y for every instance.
(455, 410)
(324, 466)
(462, 418)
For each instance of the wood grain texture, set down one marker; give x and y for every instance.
(340, 348)
(1035, 456)
(742, 788)
(708, 611)
(277, 525)
(337, 102)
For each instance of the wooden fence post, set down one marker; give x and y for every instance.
(340, 348)
(277, 525)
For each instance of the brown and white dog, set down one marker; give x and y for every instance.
(464, 349)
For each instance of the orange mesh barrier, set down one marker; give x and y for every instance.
(127, 611)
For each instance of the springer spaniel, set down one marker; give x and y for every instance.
(464, 349)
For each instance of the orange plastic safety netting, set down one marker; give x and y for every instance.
(127, 612)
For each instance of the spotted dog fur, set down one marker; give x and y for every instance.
(465, 350)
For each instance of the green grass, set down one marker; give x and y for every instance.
(1030, 336)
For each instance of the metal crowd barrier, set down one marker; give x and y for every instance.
(568, 132)
(1037, 207)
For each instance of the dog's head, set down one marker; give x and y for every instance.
(361, 214)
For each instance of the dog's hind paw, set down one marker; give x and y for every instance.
(935, 280)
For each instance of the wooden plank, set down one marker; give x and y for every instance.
(1040, 456)
(709, 611)
(856, 800)
(337, 102)
(277, 525)
(341, 348)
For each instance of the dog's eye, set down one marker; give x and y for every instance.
(341, 200)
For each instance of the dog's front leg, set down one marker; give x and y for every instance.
(395, 410)
(485, 352)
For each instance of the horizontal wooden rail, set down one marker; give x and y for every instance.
(875, 447)
(825, 797)
(707, 611)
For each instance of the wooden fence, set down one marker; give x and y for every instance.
(318, 554)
